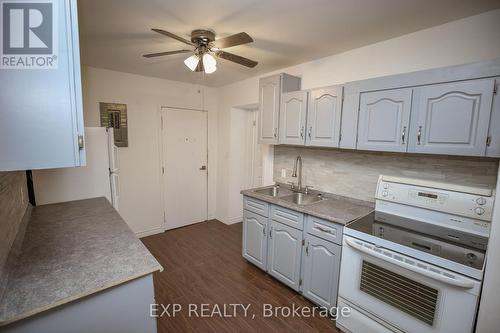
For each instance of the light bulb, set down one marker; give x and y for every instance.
(209, 63)
(192, 62)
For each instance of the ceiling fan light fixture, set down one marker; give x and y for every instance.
(209, 63)
(192, 62)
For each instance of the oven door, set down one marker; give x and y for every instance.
(406, 293)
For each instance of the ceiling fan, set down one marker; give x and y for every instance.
(206, 47)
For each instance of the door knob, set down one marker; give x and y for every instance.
(203, 167)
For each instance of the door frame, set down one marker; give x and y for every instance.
(162, 109)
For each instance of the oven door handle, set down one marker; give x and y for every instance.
(457, 282)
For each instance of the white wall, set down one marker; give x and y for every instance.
(471, 39)
(140, 201)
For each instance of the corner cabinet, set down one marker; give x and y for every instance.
(301, 251)
(41, 117)
(270, 90)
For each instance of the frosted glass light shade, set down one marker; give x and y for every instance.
(192, 62)
(209, 63)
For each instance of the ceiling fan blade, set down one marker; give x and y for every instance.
(233, 40)
(159, 54)
(236, 58)
(174, 36)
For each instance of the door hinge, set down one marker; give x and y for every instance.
(488, 141)
(81, 143)
(340, 136)
(303, 242)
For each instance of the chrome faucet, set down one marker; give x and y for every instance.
(298, 165)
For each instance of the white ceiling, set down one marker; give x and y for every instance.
(115, 33)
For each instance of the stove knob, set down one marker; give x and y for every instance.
(479, 211)
(471, 256)
(386, 186)
(481, 201)
(384, 193)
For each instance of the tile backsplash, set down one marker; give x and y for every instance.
(13, 207)
(354, 173)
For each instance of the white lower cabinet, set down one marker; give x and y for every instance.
(321, 271)
(255, 239)
(285, 249)
(295, 248)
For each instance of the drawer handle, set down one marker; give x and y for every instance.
(403, 136)
(307, 249)
(324, 230)
(271, 233)
(419, 134)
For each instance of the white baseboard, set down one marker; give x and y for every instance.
(150, 232)
(235, 219)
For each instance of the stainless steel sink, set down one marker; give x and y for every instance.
(303, 199)
(270, 191)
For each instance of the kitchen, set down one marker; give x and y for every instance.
(168, 147)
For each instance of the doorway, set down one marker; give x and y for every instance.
(184, 159)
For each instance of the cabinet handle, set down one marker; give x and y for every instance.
(324, 230)
(419, 134)
(302, 132)
(310, 132)
(275, 133)
(264, 230)
(404, 134)
(271, 232)
(307, 249)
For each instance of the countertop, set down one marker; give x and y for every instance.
(334, 208)
(71, 250)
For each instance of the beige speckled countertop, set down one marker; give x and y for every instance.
(72, 250)
(334, 208)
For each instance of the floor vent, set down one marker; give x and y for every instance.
(409, 296)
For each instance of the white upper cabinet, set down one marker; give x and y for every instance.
(269, 103)
(293, 114)
(323, 117)
(452, 118)
(384, 118)
(41, 118)
(270, 90)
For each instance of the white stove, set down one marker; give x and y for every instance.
(416, 263)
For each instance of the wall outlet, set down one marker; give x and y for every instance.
(283, 173)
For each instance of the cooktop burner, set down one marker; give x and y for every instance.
(454, 245)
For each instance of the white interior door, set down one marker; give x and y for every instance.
(184, 137)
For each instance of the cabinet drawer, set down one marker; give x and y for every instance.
(256, 206)
(287, 216)
(323, 229)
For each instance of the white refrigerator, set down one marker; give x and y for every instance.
(99, 178)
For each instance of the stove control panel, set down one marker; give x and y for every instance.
(477, 204)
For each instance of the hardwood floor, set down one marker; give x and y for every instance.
(203, 265)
